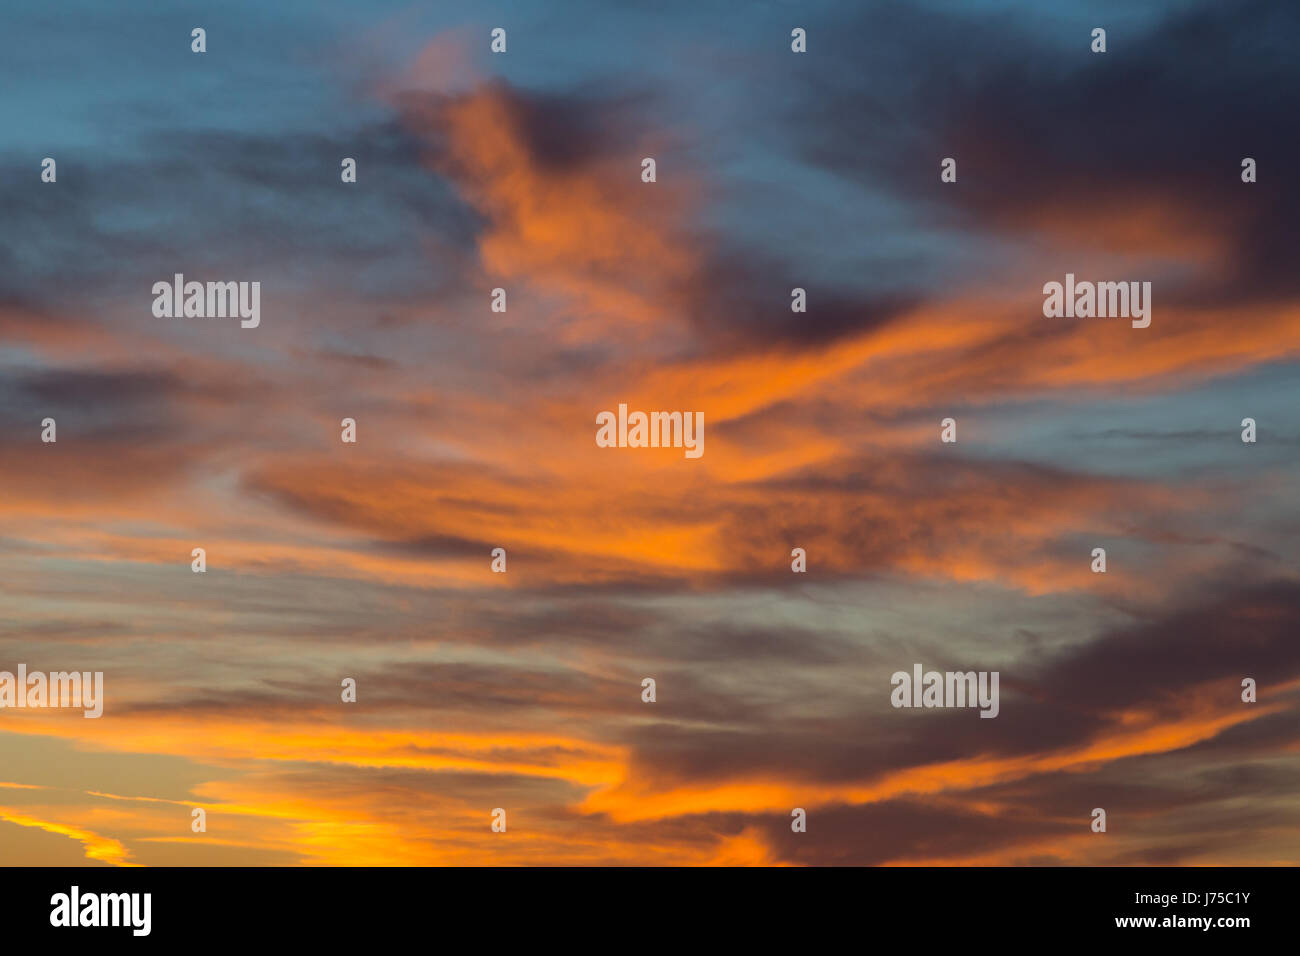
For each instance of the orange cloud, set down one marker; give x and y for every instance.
(101, 848)
(1137, 735)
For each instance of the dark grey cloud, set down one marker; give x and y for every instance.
(1044, 128)
(1246, 632)
(209, 201)
(1049, 702)
(882, 832)
(739, 300)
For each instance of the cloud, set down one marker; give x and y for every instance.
(476, 431)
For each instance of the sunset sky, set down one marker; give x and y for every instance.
(522, 690)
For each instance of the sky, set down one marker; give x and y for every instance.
(522, 690)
